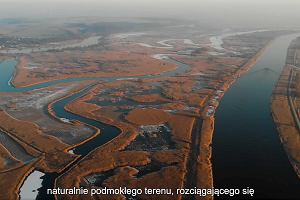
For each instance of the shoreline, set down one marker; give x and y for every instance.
(35, 166)
(244, 120)
(103, 76)
(204, 165)
(15, 191)
(279, 123)
(78, 158)
(208, 134)
(53, 115)
(25, 176)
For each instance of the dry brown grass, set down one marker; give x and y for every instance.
(204, 165)
(106, 63)
(32, 139)
(149, 98)
(113, 158)
(12, 180)
(7, 161)
(148, 116)
(288, 133)
(285, 123)
(30, 133)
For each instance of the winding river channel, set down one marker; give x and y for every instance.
(108, 132)
(247, 151)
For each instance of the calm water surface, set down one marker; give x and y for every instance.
(247, 151)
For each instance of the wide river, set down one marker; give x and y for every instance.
(247, 151)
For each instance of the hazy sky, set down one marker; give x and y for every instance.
(227, 12)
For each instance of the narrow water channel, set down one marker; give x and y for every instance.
(108, 132)
(7, 68)
(247, 151)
